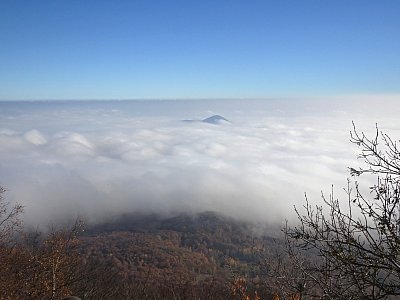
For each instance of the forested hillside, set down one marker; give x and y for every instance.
(185, 251)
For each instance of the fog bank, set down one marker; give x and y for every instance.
(100, 159)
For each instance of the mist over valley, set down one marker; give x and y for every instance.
(100, 159)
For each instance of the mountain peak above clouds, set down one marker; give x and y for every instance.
(215, 119)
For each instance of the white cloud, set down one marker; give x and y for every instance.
(35, 137)
(113, 159)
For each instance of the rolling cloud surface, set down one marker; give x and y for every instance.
(101, 159)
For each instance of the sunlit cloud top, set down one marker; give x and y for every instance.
(101, 159)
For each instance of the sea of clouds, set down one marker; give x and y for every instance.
(100, 159)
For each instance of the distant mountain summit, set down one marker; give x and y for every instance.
(216, 119)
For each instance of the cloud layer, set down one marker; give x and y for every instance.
(101, 159)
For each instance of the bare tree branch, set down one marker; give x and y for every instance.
(357, 242)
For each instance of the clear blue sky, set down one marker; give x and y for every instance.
(76, 49)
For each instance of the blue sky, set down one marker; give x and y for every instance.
(197, 49)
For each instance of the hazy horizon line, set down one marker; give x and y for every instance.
(336, 96)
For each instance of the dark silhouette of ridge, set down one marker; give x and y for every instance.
(216, 119)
